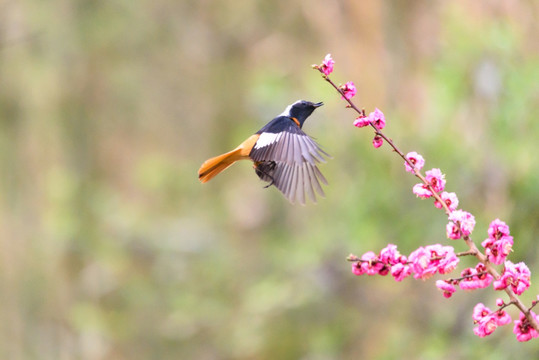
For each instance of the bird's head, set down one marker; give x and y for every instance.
(301, 110)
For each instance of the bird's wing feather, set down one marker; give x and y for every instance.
(296, 156)
(295, 180)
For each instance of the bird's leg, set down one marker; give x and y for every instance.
(263, 170)
(271, 183)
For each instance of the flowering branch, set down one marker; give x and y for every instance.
(348, 91)
(426, 261)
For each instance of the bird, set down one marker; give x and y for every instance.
(283, 155)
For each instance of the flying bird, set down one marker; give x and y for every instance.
(282, 155)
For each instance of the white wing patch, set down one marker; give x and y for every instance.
(266, 139)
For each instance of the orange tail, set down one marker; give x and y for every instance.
(215, 165)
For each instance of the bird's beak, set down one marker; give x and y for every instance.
(318, 104)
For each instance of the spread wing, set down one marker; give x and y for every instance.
(288, 160)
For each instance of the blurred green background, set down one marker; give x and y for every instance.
(111, 248)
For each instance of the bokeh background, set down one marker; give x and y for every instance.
(110, 248)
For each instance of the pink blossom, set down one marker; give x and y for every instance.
(388, 261)
(482, 277)
(468, 224)
(515, 275)
(422, 191)
(450, 199)
(480, 311)
(452, 231)
(357, 269)
(371, 264)
(486, 326)
(498, 229)
(401, 271)
(436, 179)
(378, 119)
(487, 243)
(384, 270)
(476, 278)
(497, 250)
(500, 284)
(416, 160)
(390, 255)
(499, 243)
(468, 283)
(500, 302)
(458, 215)
(362, 121)
(523, 280)
(377, 141)
(502, 317)
(327, 65)
(482, 281)
(420, 260)
(449, 259)
(426, 261)
(348, 90)
(486, 321)
(447, 288)
(523, 329)
(465, 219)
